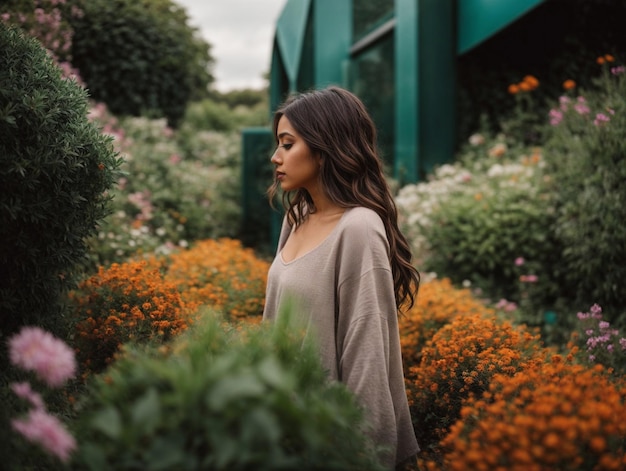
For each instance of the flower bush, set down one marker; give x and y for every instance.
(123, 303)
(459, 363)
(53, 363)
(170, 195)
(48, 22)
(437, 304)
(221, 274)
(222, 399)
(472, 219)
(586, 159)
(553, 415)
(597, 342)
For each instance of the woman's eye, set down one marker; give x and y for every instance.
(286, 146)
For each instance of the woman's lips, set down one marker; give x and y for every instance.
(279, 175)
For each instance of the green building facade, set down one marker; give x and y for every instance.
(398, 56)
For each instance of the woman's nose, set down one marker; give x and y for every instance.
(275, 159)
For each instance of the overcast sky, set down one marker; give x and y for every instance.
(241, 33)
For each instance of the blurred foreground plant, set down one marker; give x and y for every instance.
(222, 399)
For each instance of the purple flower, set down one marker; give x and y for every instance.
(34, 349)
(45, 430)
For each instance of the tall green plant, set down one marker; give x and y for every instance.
(586, 153)
(55, 169)
(141, 56)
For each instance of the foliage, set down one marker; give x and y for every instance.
(586, 156)
(46, 21)
(554, 415)
(124, 303)
(247, 97)
(141, 57)
(221, 399)
(221, 274)
(55, 169)
(216, 115)
(170, 194)
(474, 218)
(458, 363)
(595, 341)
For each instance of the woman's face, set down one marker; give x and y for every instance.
(296, 166)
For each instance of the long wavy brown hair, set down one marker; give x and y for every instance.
(336, 125)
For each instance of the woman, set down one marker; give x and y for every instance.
(342, 257)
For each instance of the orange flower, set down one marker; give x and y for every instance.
(609, 58)
(600, 60)
(525, 86)
(569, 84)
(531, 81)
(513, 89)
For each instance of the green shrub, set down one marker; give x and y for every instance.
(221, 400)
(55, 169)
(141, 57)
(474, 219)
(586, 153)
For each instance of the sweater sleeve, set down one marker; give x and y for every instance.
(368, 344)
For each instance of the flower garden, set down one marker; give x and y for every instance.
(514, 353)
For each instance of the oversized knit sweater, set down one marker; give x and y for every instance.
(344, 288)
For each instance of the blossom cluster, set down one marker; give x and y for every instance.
(599, 341)
(33, 349)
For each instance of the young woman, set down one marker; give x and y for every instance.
(342, 257)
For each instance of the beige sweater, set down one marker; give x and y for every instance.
(345, 287)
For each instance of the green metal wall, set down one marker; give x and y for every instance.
(322, 42)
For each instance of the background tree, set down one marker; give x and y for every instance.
(141, 57)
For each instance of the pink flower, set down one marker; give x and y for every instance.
(34, 349)
(47, 431)
(556, 117)
(24, 391)
(601, 118)
(528, 278)
(519, 261)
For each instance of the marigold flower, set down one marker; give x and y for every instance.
(569, 84)
(513, 89)
(531, 81)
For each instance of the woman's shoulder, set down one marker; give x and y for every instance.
(362, 223)
(363, 217)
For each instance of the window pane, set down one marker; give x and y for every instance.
(368, 14)
(372, 80)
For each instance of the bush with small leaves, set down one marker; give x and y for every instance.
(55, 169)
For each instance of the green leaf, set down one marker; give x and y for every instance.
(109, 422)
(146, 412)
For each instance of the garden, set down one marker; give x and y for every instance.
(131, 334)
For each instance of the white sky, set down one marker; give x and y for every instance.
(241, 33)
